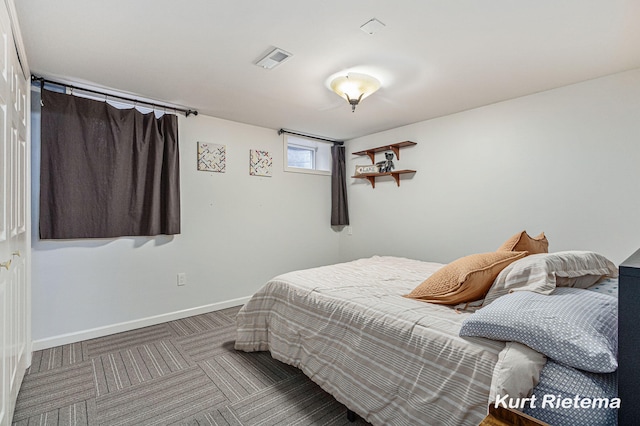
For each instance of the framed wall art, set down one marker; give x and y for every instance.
(260, 163)
(212, 157)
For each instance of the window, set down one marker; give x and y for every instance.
(306, 155)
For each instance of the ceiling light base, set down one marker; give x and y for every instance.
(353, 102)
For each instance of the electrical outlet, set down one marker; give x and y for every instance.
(182, 278)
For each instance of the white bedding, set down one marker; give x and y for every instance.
(392, 360)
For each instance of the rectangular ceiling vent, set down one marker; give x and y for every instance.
(273, 58)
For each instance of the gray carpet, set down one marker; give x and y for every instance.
(179, 372)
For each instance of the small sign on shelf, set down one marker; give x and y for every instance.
(371, 168)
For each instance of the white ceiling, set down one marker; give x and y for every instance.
(433, 57)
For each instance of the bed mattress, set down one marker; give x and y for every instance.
(392, 360)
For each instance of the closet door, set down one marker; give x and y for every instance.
(15, 339)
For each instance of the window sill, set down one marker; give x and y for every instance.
(307, 171)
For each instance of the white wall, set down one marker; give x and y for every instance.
(237, 232)
(565, 161)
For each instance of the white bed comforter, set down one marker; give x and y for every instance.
(392, 360)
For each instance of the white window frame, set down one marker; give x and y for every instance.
(319, 147)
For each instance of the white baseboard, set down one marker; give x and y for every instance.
(65, 339)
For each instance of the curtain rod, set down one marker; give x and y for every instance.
(186, 112)
(290, 132)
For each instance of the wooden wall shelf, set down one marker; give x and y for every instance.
(371, 153)
(371, 177)
(395, 147)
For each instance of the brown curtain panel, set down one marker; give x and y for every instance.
(339, 207)
(106, 172)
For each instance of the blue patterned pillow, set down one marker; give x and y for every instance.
(575, 327)
(563, 382)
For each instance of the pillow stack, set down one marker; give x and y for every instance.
(531, 302)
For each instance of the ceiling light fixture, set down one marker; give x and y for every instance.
(354, 87)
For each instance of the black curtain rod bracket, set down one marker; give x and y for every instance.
(186, 112)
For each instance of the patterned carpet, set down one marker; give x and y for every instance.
(179, 372)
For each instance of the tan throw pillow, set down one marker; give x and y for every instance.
(464, 280)
(523, 242)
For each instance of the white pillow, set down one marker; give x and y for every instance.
(517, 371)
(543, 272)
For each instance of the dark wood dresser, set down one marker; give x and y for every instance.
(629, 340)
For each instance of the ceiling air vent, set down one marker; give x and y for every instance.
(273, 58)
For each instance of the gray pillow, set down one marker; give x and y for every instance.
(575, 327)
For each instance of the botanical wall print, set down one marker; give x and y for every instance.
(212, 157)
(260, 163)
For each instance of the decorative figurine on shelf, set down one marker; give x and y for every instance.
(387, 165)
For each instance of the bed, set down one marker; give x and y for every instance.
(395, 360)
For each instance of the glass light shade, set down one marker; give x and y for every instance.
(354, 87)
